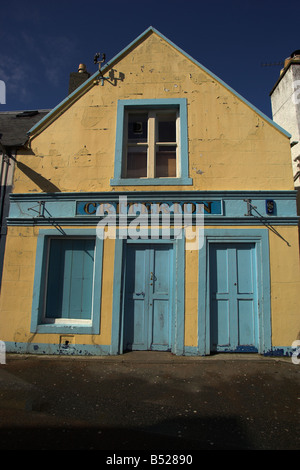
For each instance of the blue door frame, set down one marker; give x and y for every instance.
(177, 301)
(233, 297)
(260, 240)
(148, 297)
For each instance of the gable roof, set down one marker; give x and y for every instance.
(14, 126)
(89, 83)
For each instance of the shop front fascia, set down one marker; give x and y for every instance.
(234, 235)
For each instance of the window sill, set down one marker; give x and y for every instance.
(151, 181)
(66, 328)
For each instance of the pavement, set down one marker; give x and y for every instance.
(149, 401)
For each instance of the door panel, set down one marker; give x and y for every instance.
(220, 322)
(135, 327)
(244, 270)
(220, 279)
(160, 295)
(148, 296)
(233, 297)
(160, 322)
(246, 322)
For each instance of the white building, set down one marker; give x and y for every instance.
(285, 101)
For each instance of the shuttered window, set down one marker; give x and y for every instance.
(70, 275)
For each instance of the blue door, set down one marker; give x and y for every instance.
(148, 297)
(233, 297)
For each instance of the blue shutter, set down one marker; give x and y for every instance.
(70, 278)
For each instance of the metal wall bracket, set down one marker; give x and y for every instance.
(249, 207)
(41, 209)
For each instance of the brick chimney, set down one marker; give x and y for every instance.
(78, 78)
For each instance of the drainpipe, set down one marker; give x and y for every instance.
(2, 161)
(3, 181)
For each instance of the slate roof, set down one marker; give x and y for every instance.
(14, 126)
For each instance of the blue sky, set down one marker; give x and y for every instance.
(42, 42)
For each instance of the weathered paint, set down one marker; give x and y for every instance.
(225, 146)
(234, 153)
(233, 297)
(148, 297)
(285, 103)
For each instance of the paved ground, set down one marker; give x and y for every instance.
(149, 401)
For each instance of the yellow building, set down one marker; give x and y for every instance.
(159, 213)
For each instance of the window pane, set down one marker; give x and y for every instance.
(165, 162)
(137, 127)
(136, 162)
(166, 128)
(70, 279)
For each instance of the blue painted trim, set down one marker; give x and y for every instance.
(261, 239)
(179, 297)
(64, 103)
(179, 293)
(45, 349)
(270, 121)
(214, 208)
(39, 286)
(57, 349)
(151, 182)
(116, 327)
(190, 351)
(280, 351)
(155, 196)
(67, 101)
(93, 221)
(183, 179)
(61, 208)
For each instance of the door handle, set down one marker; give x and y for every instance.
(141, 293)
(152, 277)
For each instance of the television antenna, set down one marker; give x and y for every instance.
(272, 64)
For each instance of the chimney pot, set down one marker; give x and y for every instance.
(78, 78)
(82, 68)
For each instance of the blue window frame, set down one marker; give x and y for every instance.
(70, 272)
(149, 127)
(67, 286)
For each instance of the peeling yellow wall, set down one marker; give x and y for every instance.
(18, 277)
(230, 146)
(17, 289)
(285, 286)
(191, 298)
